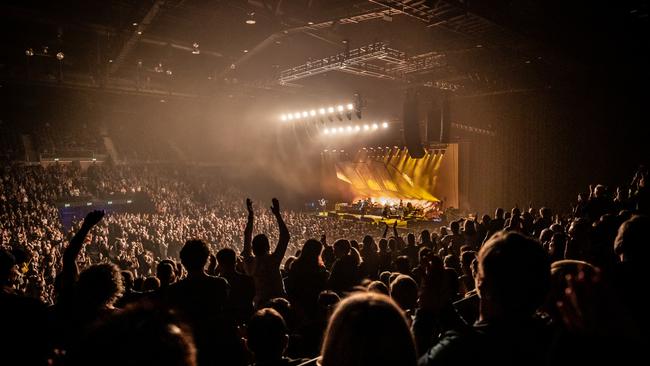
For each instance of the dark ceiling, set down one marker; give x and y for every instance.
(486, 46)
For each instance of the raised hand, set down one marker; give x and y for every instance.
(249, 206)
(93, 218)
(276, 207)
(434, 292)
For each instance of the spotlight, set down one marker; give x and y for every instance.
(296, 115)
(357, 128)
(312, 113)
(375, 126)
(350, 106)
(283, 117)
(29, 52)
(366, 127)
(139, 33)
(333, 131)
(326, 131)
(251, 20)
(349, 128)
(60, 56)
(384, 125)
(330, 109)
(340, 129)
(305, 114)
(135, 24)
(289, 116)
(321, 111)
(340, 108)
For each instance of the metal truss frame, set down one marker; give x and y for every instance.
(395, 65)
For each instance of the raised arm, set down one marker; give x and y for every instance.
(248, 232)
(283, 241)
(70, 271)
(385, 231)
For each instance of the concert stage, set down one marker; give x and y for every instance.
(410, 224)
(387, 182)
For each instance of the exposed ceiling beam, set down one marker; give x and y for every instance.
(31, 16)
(309, 30)
(128, 46)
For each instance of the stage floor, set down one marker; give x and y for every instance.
(401, 223)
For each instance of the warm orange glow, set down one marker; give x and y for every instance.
(394, 176)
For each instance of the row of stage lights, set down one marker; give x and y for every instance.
(386, 149)
(355, 129)
(322, 112)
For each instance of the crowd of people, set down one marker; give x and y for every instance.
(208, 278)
(185, 205)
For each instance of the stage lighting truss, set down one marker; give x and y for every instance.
(354, 129)
(376, 60)
(476, 130)
(382, 152)
(436, 149)
(321, 114)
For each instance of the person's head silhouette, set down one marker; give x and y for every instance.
(165, 273)
(368, 329)
(404, 290)
(261, 245)
(99, 286)
(633, 240)
(310, 252)
(227, 259)
(513, 276)
(268, 336)
(140, 335)
(194, 255)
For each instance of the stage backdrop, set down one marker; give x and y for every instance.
(390, 174)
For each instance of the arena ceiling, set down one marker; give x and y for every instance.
(206, 47)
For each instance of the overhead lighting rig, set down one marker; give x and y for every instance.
(340, 111)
